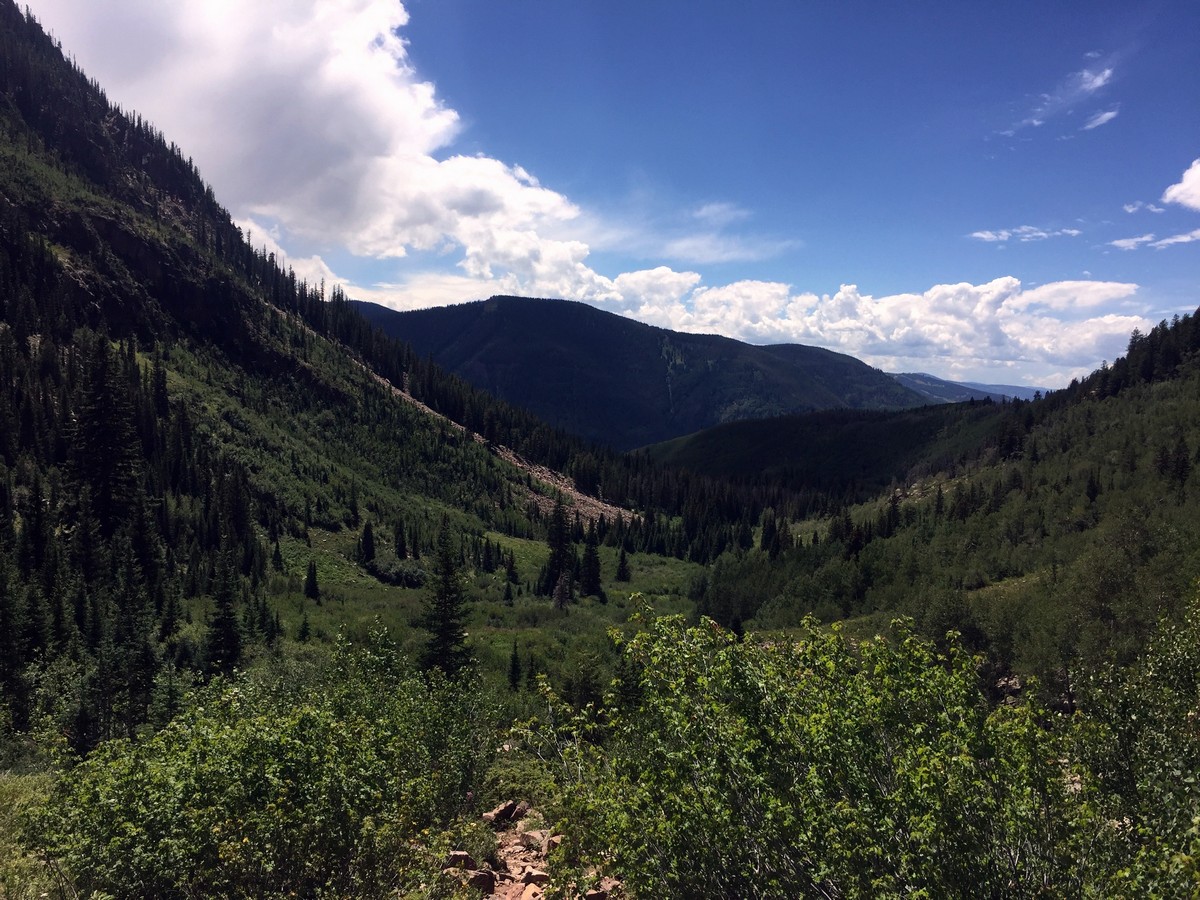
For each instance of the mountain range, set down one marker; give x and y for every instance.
(939, 390)
(285, 603)
(624, 384)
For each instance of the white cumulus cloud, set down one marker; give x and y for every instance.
(316, 130)
(1187, 191)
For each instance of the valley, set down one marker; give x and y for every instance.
(292, 589)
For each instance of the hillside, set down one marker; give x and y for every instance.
(939, 390)
(624, 384)
(187, 430)
(285, 608)
(849, 456)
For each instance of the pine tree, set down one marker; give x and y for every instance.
(311, 589)
(445, 612)
(223, 643)
(623, 566)
(105, 457)
(514, 669)
(401, 546)
(589, 570)
(366, 544)
(561, 556)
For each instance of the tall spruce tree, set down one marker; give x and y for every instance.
(446, 612)
(589, 570)
(514, 669)
(223, 643)
(311, 589)
(561, 556)
(366, 544)
(623, 566)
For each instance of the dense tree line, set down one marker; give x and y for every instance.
(1053, 547)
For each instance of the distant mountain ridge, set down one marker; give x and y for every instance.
(626, 384)
(940, 390)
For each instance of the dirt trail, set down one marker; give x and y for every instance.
(520, 867)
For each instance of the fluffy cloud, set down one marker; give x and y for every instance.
(1055, 330)
(314, 128)
(1187, 191)
(309, 116)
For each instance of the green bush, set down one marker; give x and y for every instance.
(820, 768)
(256, 793)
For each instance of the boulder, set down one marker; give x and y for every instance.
(502, 813)
(482, 880)
(459, 859)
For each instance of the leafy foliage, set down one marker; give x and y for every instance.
(820, 768)
(264, 790)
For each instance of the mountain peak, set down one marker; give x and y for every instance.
(624, 383)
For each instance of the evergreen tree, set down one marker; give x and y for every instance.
(445, 612)
(311, 589)
(401, 545)
(223, 643)
(366, 544)
(514, 669)
(589, 571)
(105, 457)
(623, 567)
(562, 558)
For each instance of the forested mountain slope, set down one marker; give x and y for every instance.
(1058, 542)
(843, 456)
(938, 390)
(625, 384)
(270, 628)
(179, 417)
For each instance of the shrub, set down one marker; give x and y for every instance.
(819, 768)
(250, 793)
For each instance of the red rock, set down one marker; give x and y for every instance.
(459, 859)
(502, 813)
(535, 876)
(532, 840)
(482, 880)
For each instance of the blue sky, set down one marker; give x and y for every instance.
(995, 192)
